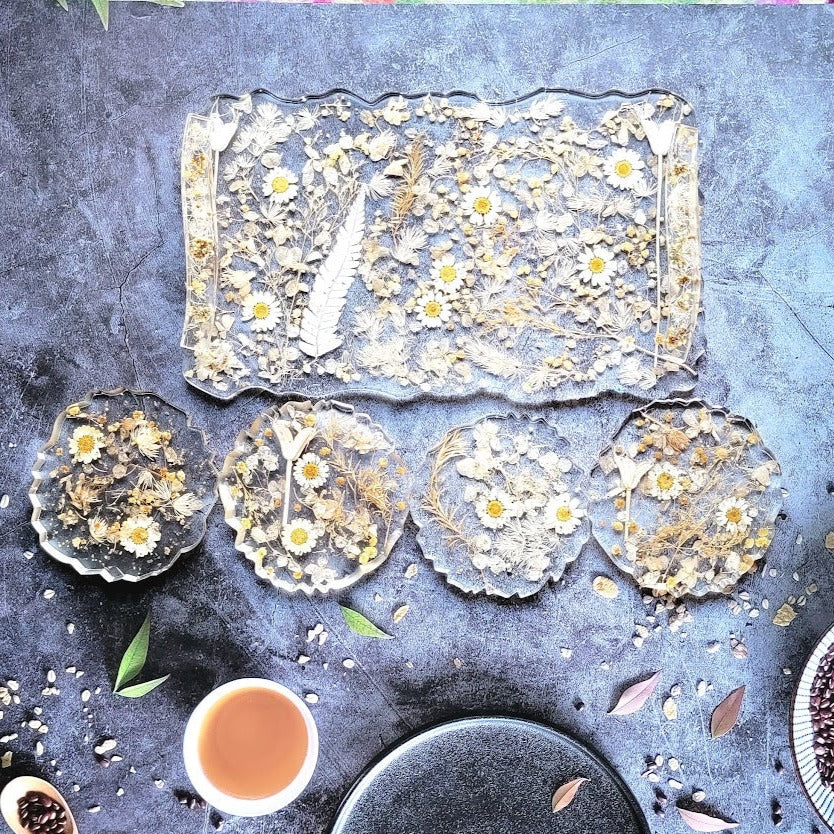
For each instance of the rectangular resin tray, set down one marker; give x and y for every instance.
(541, 249)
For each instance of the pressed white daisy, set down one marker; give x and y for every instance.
(447, 273)
(563, 514)
(98, 528)
(433, 309)
(664, 481)
(261, 310)
(299, 536)
(139, 535)
(86, 444)
(495, 508)
(310, 471)
(597, 266)
(280, 185)
(734, 514)
(623, 168)
(481, 206)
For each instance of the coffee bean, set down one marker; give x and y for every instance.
(40, 814)
(822, 718)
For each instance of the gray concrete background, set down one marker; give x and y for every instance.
(92, 297)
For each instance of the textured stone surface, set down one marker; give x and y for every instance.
(90, 254)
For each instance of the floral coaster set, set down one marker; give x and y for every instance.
(542, 250)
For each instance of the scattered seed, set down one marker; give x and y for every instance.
(400, 613)
(605, 587)
(48, 593)
(70, 628)
(348, 663)
(411, 571)
(105, 746)
(311, 698)
(94, 809)
(699, 796)
(160, 783)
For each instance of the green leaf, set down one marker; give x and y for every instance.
(103, 9)
(134, 658)
(177, 4)
(63, 4)
(361, 625)
(140, 689)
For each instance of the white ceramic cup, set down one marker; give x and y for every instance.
(232, 805)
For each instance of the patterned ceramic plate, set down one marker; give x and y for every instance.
(488, 774)
(317, 495)
(501, 506)
(123, 486)
(542, 248)
(820, 795)
(685, 498)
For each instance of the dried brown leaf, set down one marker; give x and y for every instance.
(704, 822)
(726, 713)
(635, 696)
(565, 795)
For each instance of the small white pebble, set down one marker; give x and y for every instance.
(653, 777)
(676, 691)
(566, 652)
(699, 796)
(311, 698)
(50, 676)
(4, 502)
(76, 788)
(85, 695)
(13, 685)
(115, 758)
(160, 783)
(120, 791)
(94, 809)
(6, 759)
(323, 637)
(674, 783)
(48, 593)
(70, 670)
(674, 764)
(70, 628)
(39, 748)
(302, 659)
(132, 769)
(97, 690)
(348, 663)
(713, 647)
(28, 554)
(658, 760)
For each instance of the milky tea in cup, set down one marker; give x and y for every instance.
(250, 747)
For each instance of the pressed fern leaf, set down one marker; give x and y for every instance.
(329, 293)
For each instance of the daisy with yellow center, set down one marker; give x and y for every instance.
(623, 169)
(299, 536)
(563, 514)
(310, 471)
(495, 508)
(86, 444)
(139, 535)
(664, 482)
(261, 310)
(433, 309)
(596, 266)
(280, 185)
(447, 274)
(482, 206)
(734, 515)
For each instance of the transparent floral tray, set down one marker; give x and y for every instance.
(685, 498)
(501, 506)
(123, 486)
(317, 495)
(545, 248)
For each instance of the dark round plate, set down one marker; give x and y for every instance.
(488, 775)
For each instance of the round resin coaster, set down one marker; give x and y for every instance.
(501, 508)
(317, 494)
(123, 486)
(685, 498)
